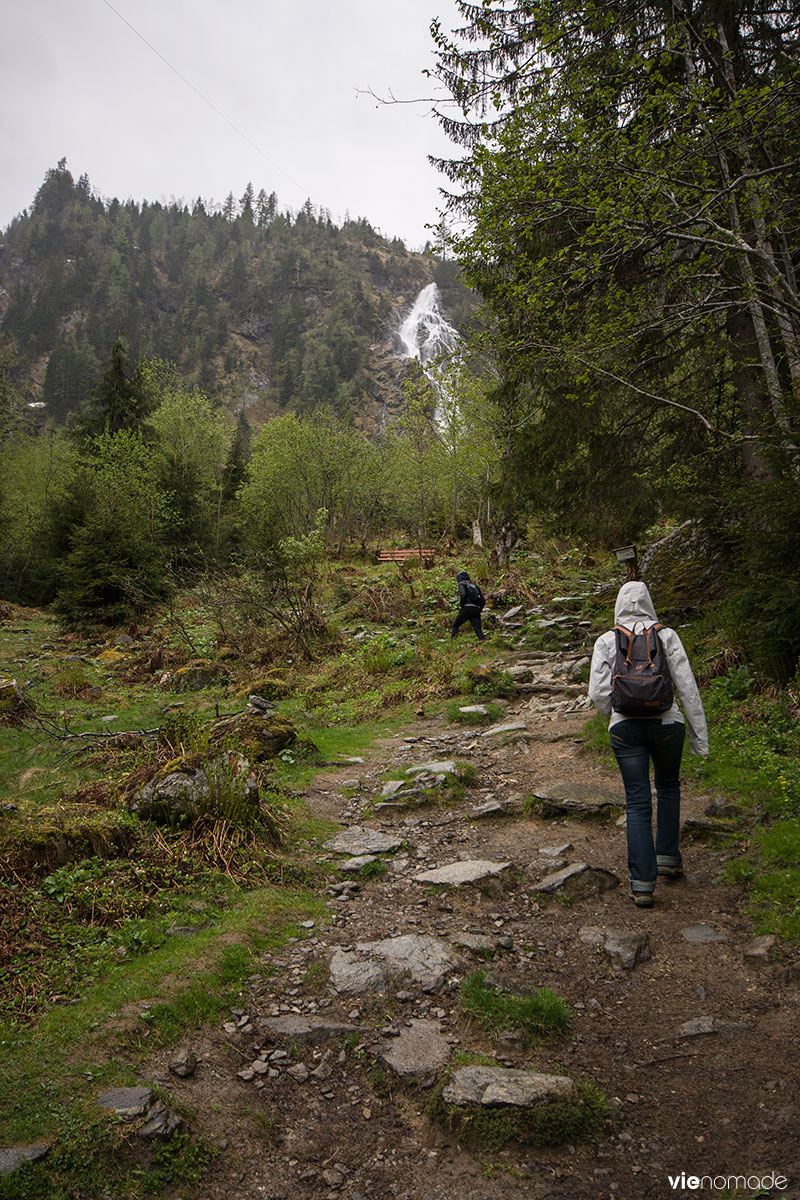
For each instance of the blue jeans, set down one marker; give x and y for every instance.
(635, 743)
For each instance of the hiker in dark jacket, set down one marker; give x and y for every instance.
(471, 601)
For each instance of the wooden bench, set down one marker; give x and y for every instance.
(401, 556)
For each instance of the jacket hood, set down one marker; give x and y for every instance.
(634, 604)
(462, 575)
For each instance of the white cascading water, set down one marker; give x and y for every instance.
(425, 334)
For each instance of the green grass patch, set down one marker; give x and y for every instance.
(534, 1015)
(182, 984)
(492, 714)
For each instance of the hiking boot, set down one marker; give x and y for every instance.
(670, 870)
(642, 899)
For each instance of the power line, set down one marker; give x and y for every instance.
(205, 99)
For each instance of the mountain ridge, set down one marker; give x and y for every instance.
(270, 311)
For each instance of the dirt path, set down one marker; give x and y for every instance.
(324, 1115)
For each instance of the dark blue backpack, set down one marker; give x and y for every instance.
(641, 685)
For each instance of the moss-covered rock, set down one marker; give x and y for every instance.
(259, 736)
(198, 674)
(685, 570)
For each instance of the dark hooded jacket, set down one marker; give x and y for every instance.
(465, 601)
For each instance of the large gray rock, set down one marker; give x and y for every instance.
(357, 841)
(417, 957)
(220, 785)
(12, 1157)
(421, 1049)
(576, 800)
(127, 1102)
(493, 1087)
(458, 873)
(578, 880)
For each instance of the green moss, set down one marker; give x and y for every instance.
(540, 1012)
(491, 1129)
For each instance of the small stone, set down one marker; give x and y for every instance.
(334, 1179)
(761, 950)
(299, 1072)
(626, 948)
(247, 1075)
(183, 1063)
(161, 1126)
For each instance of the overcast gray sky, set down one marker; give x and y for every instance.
(79, 83)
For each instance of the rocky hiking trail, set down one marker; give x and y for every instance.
(318, 1083)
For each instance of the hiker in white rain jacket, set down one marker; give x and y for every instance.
(657, 738)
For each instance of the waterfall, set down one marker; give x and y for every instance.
(425, 334)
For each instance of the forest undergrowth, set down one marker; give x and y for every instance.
(103, 911)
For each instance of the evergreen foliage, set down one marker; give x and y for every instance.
(227, 295)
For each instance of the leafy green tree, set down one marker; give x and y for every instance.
(630, 184)
(37, 473)
(192, 442)
(118, 558)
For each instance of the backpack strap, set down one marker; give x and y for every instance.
(629, 635)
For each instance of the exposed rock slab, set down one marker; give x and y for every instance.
(700, 934)
(509, 730)
(356, 864)
(352, 975)
(417, 958)
(357, 841)
(493, 1087)
(701, 1026)
(423, 959)
(421, 1049)
(127, 1102)
(459, 873)
(476, 943)
(578, 880)
(12, 1157)
(445, 766)
(577, 800)
(313, 1030)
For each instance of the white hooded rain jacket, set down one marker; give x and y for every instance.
(634, 610)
